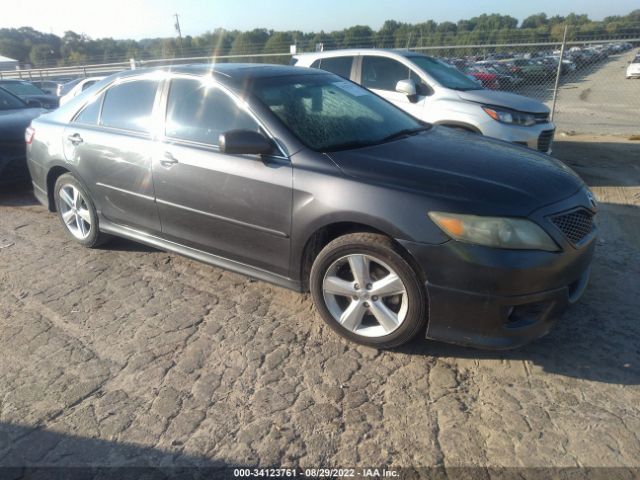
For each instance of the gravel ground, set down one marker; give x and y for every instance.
(601, 100)
(596, 99)
(131, 356)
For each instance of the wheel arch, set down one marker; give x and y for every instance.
(52, 176)
(324, 234)
(54, 172)
(459, 125)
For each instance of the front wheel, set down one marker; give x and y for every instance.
(77, 212)
(367, 292)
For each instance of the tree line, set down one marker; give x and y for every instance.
(39, 49)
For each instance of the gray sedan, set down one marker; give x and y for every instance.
(304, 179)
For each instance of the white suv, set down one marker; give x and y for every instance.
(437, 93)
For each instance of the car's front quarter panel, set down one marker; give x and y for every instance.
(324, 195)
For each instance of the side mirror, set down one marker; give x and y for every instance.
(34, 103)
(244, 142)
(408, 87)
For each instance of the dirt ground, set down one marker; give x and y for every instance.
(131, 356)
(600, 101)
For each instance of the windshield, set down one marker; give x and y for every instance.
(446, 76)
(22, 88)
(9, 102)
(328, 113)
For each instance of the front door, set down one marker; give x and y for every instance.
(382, 74)
(235, 206)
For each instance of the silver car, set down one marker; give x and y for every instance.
(436, 93)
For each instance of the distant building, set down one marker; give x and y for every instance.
(7, 63)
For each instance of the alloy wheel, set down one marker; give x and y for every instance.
(74, 211)
(365, 295)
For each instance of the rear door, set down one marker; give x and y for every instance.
(235, 206)
(343, 65)
(110, 144)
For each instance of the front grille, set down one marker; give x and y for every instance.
(575, 225)
(541, 117)
(544, 140)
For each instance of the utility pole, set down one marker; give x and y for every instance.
(177, 25)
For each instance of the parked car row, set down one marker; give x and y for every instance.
(508, 71)
(297, 176)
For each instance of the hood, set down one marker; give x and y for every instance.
(468, 172)
(14, 122)
(47, 101)
(504, 99)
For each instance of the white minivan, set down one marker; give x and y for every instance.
(437, 93)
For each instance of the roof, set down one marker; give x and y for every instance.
(236, 72)
(242, 71)
(7, 59)
(360, 51)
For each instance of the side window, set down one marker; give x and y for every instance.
(382, 73)
(198, 113)
(89, 115)
(338, 65)
(128, 105)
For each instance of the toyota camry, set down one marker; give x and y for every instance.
(306, 180)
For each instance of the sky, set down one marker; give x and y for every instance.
(138, 19)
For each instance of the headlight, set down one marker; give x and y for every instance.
(512, 233)
(510, 116)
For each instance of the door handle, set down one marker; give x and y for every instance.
(168, 159)
(75, 139)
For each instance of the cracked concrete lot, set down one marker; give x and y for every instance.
(130, 356)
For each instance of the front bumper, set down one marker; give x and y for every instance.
(496, 298)
(537, 137)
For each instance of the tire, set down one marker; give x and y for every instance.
(355, 311)
(77, 213)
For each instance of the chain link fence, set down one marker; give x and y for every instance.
(593, 93)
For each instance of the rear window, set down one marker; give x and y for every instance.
(89, 116)
(22, 88)
(338, 65)
(128, 105)
(9, 102)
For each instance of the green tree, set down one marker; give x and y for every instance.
(249, 42)
(41, 55)
(535, 21)
(278, 42)
(359, 36)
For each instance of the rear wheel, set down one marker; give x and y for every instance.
(77, 212)
(367, 292)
